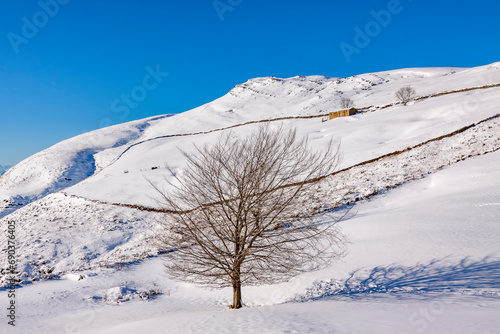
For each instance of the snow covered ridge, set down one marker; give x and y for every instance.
(4, 168)
(63, 164)
(76, 159)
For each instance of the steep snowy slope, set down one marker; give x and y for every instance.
(423, 258)
(64, 164)
(82, 227)
(3, 169)
(62, 232)
(364, 136)
(74, 160)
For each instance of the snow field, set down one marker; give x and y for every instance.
(423, 258)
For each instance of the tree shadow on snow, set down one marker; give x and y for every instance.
(470, 277)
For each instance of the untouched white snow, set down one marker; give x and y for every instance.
(425, 259)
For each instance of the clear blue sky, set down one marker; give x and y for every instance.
(65, 69)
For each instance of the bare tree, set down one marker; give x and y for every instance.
(346, 103)
(406, 94)
(238, 213)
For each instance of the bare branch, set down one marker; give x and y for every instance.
(237, 214)
(406, 94)
(346, 103)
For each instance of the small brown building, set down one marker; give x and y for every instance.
(342, 113)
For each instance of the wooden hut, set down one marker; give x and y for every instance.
(342, 113)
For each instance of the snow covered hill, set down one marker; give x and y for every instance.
(85, 204)
(112, 165)
(103, 156)
(423, 258)
(3, 168)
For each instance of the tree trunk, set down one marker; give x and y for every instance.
(236, 288)
(236, 295)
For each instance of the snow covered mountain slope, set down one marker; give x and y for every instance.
(63, 232)
(3, 169)
(71, 199)
(78, 158)
(64, 164)
(423, 258)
